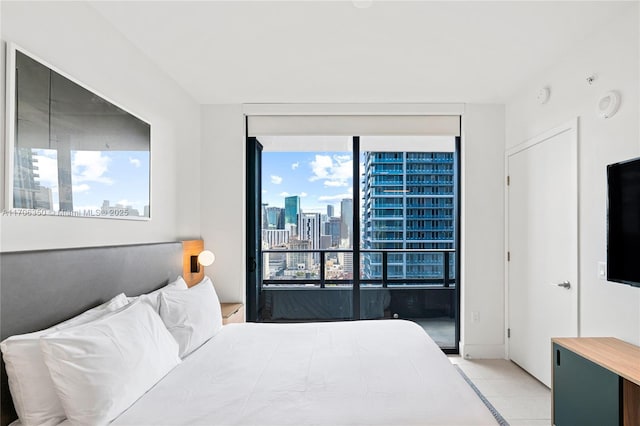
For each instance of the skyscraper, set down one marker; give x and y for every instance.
(275, 237)
(408, 204)
(332, 228)
(291, 212)
(265, 219)
(25, 185)
(275, 218)
(346, 220)
(329, 210)
(309, 229)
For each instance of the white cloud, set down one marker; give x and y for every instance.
(336, 170)
(134, 162)
(87, 166)
(295, 165)
(284, 194)
(90, 166)
(47, 168)
(81, 188)
(264, 191)
(276, 180)
(337, 197)
(303, 194)
(321, 167)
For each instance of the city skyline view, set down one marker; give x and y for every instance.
(318, 178)
(406, 199)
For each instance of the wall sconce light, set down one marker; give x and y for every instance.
(205, 258)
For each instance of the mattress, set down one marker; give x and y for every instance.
(386, 372)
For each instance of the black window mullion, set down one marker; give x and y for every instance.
(457, 209)
(356, 227)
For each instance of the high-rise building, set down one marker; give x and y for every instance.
(274, 263)
(299, 261)
(325, 242)
(275, 237)
(332, 228)
(346, 260)
(330, 210)
(265, 221)
(408, 204)
(25, 186)
(275, 218)
(346, 221)
(44, 198)
(309, 229)
(291, 212)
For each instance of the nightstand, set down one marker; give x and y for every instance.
(232, 313)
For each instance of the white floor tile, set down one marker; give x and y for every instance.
(517, 396)
(511, 387)
(528, 422)
(522, 407)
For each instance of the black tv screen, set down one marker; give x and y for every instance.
(623, 222)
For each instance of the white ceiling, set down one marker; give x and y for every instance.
(332, 51)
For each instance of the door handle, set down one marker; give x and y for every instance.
(564, 284)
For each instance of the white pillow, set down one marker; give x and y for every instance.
(99, 369)
(32, 390)
(193, 316)
(152, 297)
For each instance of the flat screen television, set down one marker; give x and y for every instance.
(623, 222)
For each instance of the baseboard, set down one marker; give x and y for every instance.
(482, 351)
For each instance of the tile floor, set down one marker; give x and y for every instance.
(518, 397)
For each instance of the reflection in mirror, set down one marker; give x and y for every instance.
(75, 152)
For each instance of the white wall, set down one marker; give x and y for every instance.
(223, 216)
(223, 197)
(606, 309)
(483, 253)
(74, 38)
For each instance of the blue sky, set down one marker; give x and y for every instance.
(122, 177)
(319, 178)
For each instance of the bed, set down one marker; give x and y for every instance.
(377, 372)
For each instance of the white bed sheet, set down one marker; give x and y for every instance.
(386, 372)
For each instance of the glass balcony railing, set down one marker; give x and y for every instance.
(382, 268)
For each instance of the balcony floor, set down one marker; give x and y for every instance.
(441, 329)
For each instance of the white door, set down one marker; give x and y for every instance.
(543, 247)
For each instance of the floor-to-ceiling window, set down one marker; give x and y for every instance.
(307, 228)
(381, 245)
(409, 230)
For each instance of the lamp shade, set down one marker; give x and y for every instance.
(206, 258)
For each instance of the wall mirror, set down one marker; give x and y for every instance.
(71, 152)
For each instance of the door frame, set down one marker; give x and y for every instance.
(569, 126)
(253, 205)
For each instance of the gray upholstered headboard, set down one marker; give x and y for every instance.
(41, 288)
